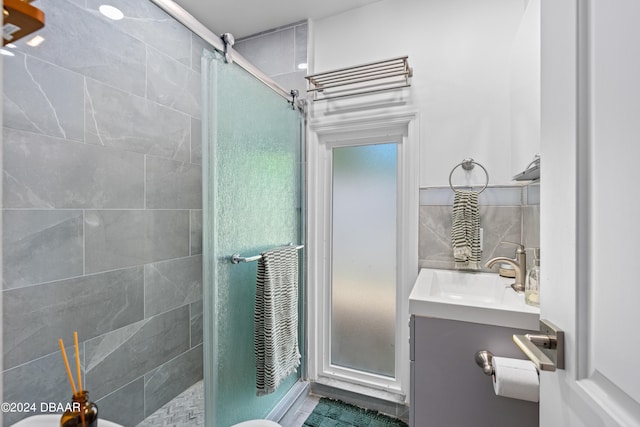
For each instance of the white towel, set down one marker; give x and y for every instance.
(465, 230)
(276, 318)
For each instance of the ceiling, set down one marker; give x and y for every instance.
(246, 17)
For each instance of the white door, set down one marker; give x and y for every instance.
(590, 209)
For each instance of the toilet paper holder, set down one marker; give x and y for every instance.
(483, 359)
(545, 350)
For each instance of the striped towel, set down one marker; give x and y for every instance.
(465, 230)
(276, 318)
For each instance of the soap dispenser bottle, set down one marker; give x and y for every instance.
(532, 282)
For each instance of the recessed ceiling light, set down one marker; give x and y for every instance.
(35, 41)
(302, 66)
(111, 12)
(10, 45)
(5, 52)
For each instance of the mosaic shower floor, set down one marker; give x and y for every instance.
(185, 410)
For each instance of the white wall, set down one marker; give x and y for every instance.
(460, 53)
(525, 89)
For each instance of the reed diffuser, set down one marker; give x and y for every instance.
(84, 413)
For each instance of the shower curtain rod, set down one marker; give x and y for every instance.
(189, 21)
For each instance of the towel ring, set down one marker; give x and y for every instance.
(468, 164)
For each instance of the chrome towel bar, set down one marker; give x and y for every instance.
(237, 259)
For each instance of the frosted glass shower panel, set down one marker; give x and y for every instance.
(253, 162)
(363, 276)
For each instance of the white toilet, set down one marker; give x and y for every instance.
(257, 423)
(49, 420)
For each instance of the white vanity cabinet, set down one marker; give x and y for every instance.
(448, 388)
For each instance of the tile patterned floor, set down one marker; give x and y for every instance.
(185, 410)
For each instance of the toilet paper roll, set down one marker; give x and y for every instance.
(515, 378)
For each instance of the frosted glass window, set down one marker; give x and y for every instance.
(363, 265)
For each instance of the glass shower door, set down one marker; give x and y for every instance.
(252, 161)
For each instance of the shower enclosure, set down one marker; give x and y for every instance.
(253, 201)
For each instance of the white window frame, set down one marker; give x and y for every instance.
(400, 127)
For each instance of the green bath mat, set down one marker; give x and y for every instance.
(334, 413)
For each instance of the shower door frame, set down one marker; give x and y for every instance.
(400, 127)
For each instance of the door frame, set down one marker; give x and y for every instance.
(399, 126)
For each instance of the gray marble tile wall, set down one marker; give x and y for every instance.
(531, 219)
(102, 220)
(510, 213)
(279, 53)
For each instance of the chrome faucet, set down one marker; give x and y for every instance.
(519, 264)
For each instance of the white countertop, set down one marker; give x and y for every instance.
(484, 298)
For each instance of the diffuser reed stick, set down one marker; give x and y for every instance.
(87, 414)
(78, 367)
(66, 365)
(75, 342)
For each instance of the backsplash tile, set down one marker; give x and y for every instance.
(503, 218)
(435, 236)
(41, 246)
(532, 194)
(531, 229)
(491, 196)
(498, 224)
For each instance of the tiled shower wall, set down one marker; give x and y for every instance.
(102, 209)
(278, 53)
(507, 214)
